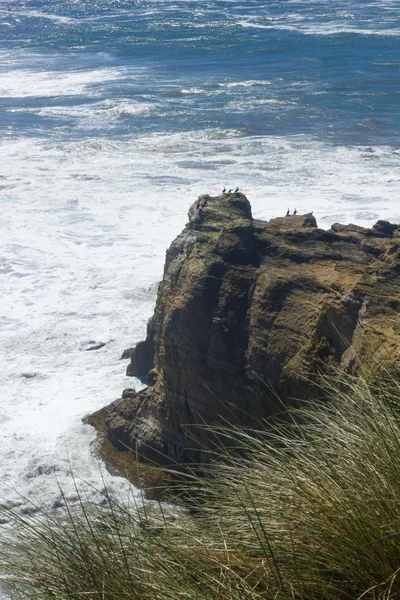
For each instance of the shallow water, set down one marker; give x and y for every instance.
(114, 117)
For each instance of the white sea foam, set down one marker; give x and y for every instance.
(39, 14)
(330, 28)
(98, 114)
(21, 83)
(193, 90)
(247, 83)
(84, 228)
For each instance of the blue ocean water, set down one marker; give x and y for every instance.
(322, 68)
(114, 117)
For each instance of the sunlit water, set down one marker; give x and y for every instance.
(114, 117)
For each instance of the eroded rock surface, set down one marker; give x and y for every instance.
(248, 308)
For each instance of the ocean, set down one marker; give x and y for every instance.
(114, 117)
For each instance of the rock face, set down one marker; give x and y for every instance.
(248, 311)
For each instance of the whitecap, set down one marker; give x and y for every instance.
(247, 83)
(43, 15)
(96, 115)
(22, 83)
(330, 28)
(194, 90)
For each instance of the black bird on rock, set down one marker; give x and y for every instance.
(230, 191)
(295, 211)
(224, 190)
(288, 212)
(236, 191)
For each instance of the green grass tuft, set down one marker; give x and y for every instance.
(309, 510)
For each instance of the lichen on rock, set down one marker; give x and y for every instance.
(249, 311)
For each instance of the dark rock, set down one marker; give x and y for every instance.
(338, 228)
(127, 353)
(251, 311)
(383, 229)
(128, 393)
(142, 357)
(92, 345)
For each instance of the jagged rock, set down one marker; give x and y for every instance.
(92, 345)
(142, 356)
(383, 229)
(248, 310)
(339, 228)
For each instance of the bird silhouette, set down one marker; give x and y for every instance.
(288, 212)
(230, 191)
(236, 191)
(295, 211)
(224, 190)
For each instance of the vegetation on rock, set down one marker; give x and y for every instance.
(248, 310)
(299, 493)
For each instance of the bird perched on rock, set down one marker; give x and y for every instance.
(230, 191)
(288, 212)
(236, 191)
(295, 211)
(224, 190)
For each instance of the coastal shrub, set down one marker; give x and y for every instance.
(308, 510)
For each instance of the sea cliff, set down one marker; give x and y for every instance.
(248, 315)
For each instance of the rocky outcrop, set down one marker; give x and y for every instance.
(249, 312)
(142, 357)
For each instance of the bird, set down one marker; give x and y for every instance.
(230, 191)
(224, 190)
(236, 191)
(295, 211)
(288, 212)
